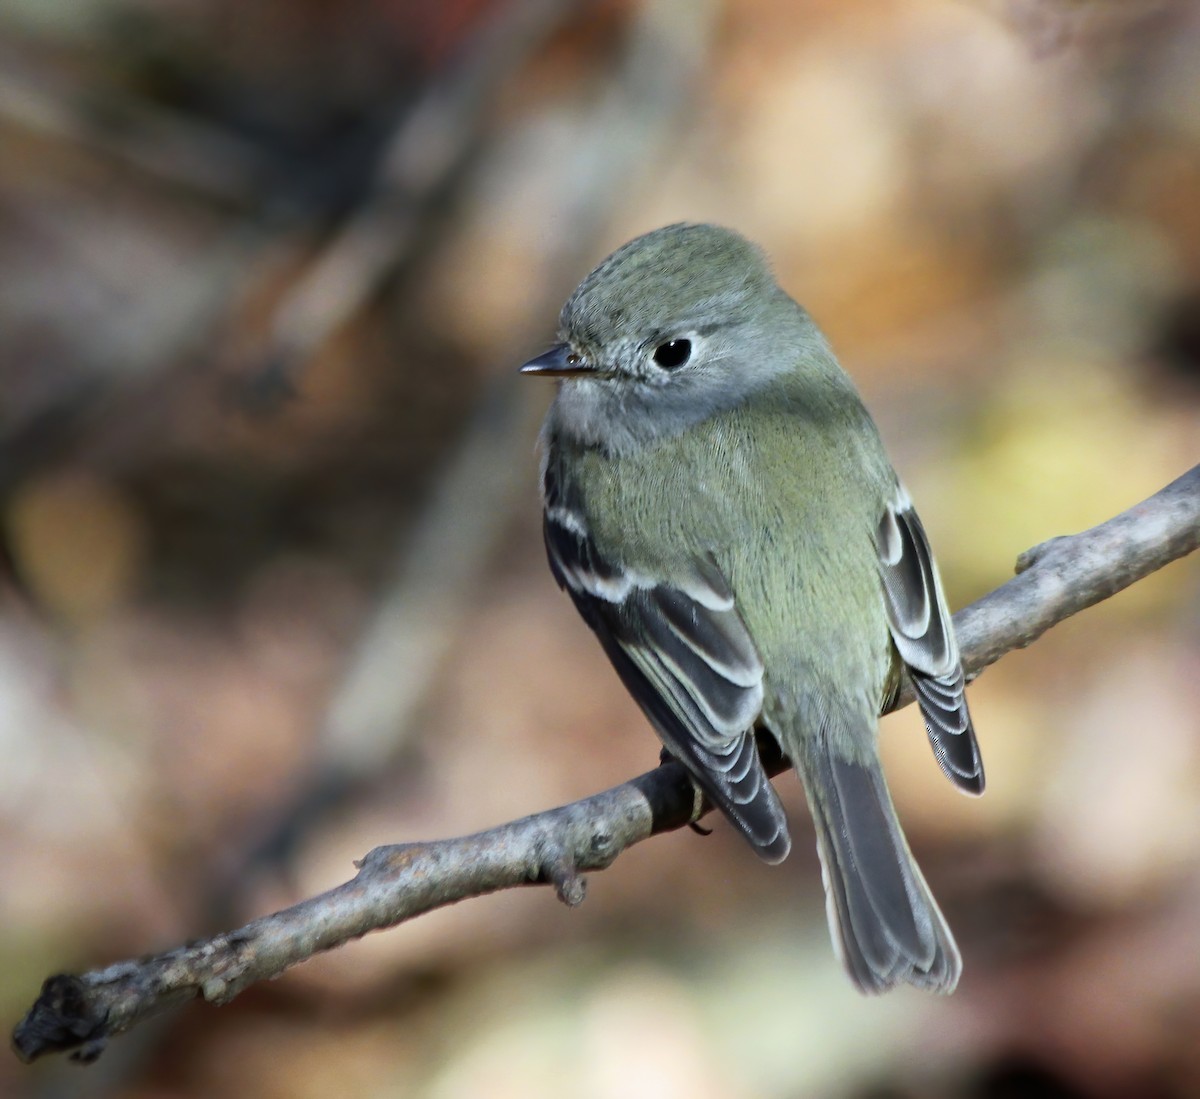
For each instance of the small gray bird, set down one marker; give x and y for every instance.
(719, 506)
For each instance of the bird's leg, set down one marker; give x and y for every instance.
(697, 796)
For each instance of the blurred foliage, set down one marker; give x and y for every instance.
(273, 590)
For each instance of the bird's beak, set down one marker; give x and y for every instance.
(559, 362)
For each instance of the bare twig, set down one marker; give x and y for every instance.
(395, 883)
(1063, 576)
(1066, 575)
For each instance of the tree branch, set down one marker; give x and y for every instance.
(397, 882)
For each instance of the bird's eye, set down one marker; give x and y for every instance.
(673, 353)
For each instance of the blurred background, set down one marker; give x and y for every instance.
(273, 585)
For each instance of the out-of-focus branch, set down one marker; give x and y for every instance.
(617, 142)
(165, 146)
(395, 883)
(1054, 26)
(430, 144)
(172, 324)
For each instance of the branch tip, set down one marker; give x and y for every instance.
(215, 990)
(60, 1020)
(1034, 554)
(569, 885)
(557, 865)
(388, 856)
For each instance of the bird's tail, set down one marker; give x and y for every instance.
(886, 926)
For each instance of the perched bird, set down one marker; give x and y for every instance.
(719, 506)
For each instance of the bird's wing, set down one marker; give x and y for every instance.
(683, 652)
(924, 636)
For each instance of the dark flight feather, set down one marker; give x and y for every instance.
(920, 626)
(685, 656)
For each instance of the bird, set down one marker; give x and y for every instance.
(719, 505)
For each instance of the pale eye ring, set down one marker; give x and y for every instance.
(672, 353)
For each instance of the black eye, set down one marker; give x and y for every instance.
(673, 353)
